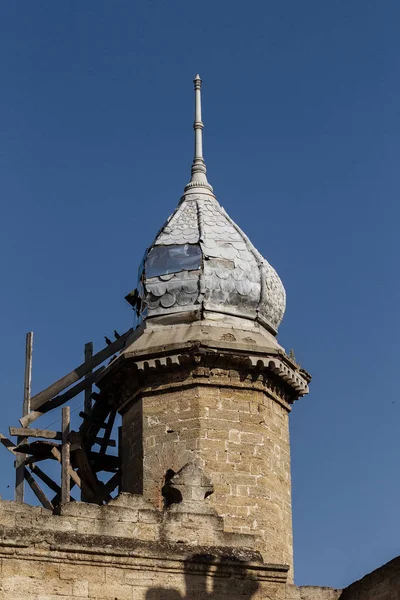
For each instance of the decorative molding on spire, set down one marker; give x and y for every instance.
(199, 171)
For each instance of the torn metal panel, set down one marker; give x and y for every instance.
(202, 245)
(165, 260)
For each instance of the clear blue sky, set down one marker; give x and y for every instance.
(301, 111)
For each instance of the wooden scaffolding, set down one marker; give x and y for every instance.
(81, 464)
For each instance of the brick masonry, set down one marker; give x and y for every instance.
(206, 509)
(236, 429)
(129, 551)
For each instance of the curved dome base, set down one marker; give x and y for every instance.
(201, 260)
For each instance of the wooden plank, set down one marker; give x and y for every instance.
(106, 462)
(86, 474)
(28, 372)
(113, 482)
(62, 399)
(45, 478)
(100, 441)
(74, 476)
(120, 456)
(19, 463)
(7, 444)
(30, 460)
(55, 388)
(65, 454)
(38, 491)
(110, 486)
(36, 433)
(57, 498)
(50, 451)
(50, 435)
(108, 431)
(90, 483)
(92, 424)
(88, 391)
(39, 448)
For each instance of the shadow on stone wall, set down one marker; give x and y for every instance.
(210, 579)
(381, 584)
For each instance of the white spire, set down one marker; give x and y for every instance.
(199, 171)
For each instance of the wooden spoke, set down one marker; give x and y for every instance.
(108, 431)
(37, 490)
(45, 478)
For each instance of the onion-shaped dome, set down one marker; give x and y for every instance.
(202, 261)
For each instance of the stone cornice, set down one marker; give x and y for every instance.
(210, 561)
(198, 364)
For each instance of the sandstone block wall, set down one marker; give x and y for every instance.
(312, 593)
(129, 551)
(381, 584)
(132, 455)
(237, 430)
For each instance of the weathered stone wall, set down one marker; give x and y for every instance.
(237, 428)
(132, 457)
(127, 550)
(381, 584)
(130, 551)
(312, 593)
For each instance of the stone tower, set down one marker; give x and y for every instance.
(203, 386)
(204, 390)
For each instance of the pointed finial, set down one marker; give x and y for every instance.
(199, 171)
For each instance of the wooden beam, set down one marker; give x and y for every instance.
(106, 462)
(108, 431)
(65, 454)
(62, 399)
(40, 448)
(90, 484)
(120, 456)
(100, 441)
(19, 463)
(7, 444)
(77, 374)
(30, 460)
(57, 498)
(45, 478)
(88, 391)
(36, 433)
(37, 490)
(92, 424)
(110, 486)
(50, 435)
(74, 476)
(28, 372)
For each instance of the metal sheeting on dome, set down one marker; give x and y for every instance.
(201, 259)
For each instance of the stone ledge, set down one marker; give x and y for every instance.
(135, 555)
(126, 518)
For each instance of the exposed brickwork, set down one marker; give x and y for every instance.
(132, 458)
(312, 593)
(237, 428)
(129, 551)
